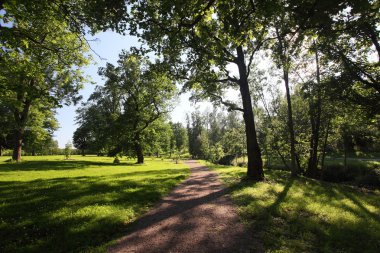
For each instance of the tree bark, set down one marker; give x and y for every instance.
(325, 145)
(139, 153)
(345, 144)
(293, 167)
(18, 145)
(139, 150)
(315, 121)
(255, 163)
(285, 68)
(21, 117)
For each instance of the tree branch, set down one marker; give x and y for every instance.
(231, 106)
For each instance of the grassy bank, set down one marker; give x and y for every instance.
(304, 215)
(48, 204)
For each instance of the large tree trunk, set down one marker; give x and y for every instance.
(83, 154)
(255, 163)
(19, 135)
(20, 117)
(139, 153)
(139, 150)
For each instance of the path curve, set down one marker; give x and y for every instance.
(197, 216)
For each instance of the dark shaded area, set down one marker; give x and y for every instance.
(56, 165)
(363, 172)
(42, 215)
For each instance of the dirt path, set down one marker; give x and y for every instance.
(197, 217)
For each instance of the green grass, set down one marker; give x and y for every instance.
(48, 204)
(304, 215)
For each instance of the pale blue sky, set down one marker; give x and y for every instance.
(108, 46)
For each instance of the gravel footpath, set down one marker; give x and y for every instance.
(197, 216)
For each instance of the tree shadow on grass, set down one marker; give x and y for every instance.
(76, 214)
(57, 165)
(310, 216)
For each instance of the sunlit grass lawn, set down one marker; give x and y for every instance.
(303, 215)
(48, 204)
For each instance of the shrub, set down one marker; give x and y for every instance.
(227, 160)
(359, 173)
(116, 160)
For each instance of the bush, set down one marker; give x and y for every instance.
(116, 160)
(371, 178)
(360, 174)
(227, 160)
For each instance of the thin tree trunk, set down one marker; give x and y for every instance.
(1, 150)
(315, 120)
(312, 164)
(282, 157)
(345, 144)
(325, 145)
(300, 170)
(293, 167)
(267, 157)
(83, 154)
(255, 163)
(274, 146)
(285, 68)
(345, 157)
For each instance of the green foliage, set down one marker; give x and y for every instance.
(68, 149)
(81, 138)
(216, 136)
(179, 139)
(88, 201)
(125, 114)
(195, 127)
(40, 61)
